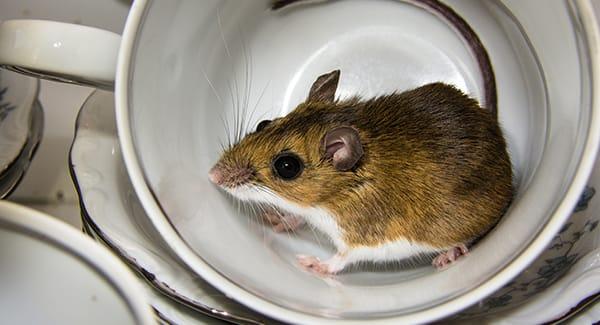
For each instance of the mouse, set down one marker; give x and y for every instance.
(423, 172)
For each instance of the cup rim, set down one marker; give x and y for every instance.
(35, 224)
(170, 235)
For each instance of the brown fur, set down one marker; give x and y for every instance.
(435, 169)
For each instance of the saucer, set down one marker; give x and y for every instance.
(52, 274)
(113, 213)
(565, 273)
(167, 310)
(575, 296)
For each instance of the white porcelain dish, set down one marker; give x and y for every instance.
(11, 177)
(183, 65)
(541, 293)
(113, 214)
(52, 274)
(18, 95)
(167, 310)
(557, 301)
(590, 315)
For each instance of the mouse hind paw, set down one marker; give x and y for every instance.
(443, 260)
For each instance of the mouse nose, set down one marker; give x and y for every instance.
(230, 176)
(215, 175)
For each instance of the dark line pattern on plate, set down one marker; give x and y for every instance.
(21, 163)
(5, 107)
(553, 268)
(582, 306)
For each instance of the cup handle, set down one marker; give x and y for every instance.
(60, 51)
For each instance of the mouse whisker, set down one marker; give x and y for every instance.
(288, 227)
(220, 100)
(260, 118)
(247, 81)
(239, 107)
(233, 111)
(315, 235)
(249, 211)
(233, 90)
(227, 130)
(254, 211)
(211, 85)
(260, 217)
(222, 145)
(264, 208)
(220, 25)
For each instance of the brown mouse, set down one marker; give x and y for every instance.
(421, 172)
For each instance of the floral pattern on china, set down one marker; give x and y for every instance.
(5, 107)
(562, 253)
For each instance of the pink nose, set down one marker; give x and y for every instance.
(215, 175)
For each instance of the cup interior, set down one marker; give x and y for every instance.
(205, 73)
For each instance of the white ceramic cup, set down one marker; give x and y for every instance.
(183, 65)
(60, 51)
(52, 273)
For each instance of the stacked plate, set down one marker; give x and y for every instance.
(112, 214)
(551, 288)
(21, 127)
(52, 274)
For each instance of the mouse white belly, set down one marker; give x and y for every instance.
(387, 252)
(391, 251)
(323, 221)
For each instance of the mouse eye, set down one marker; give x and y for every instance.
(287, 166)
(262, 125)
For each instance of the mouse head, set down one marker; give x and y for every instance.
(303, 158)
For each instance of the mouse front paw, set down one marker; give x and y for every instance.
(443, 260)
(282, 221)
(323, 268)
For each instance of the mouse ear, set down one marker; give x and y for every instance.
(323, 89)
(342, 145)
